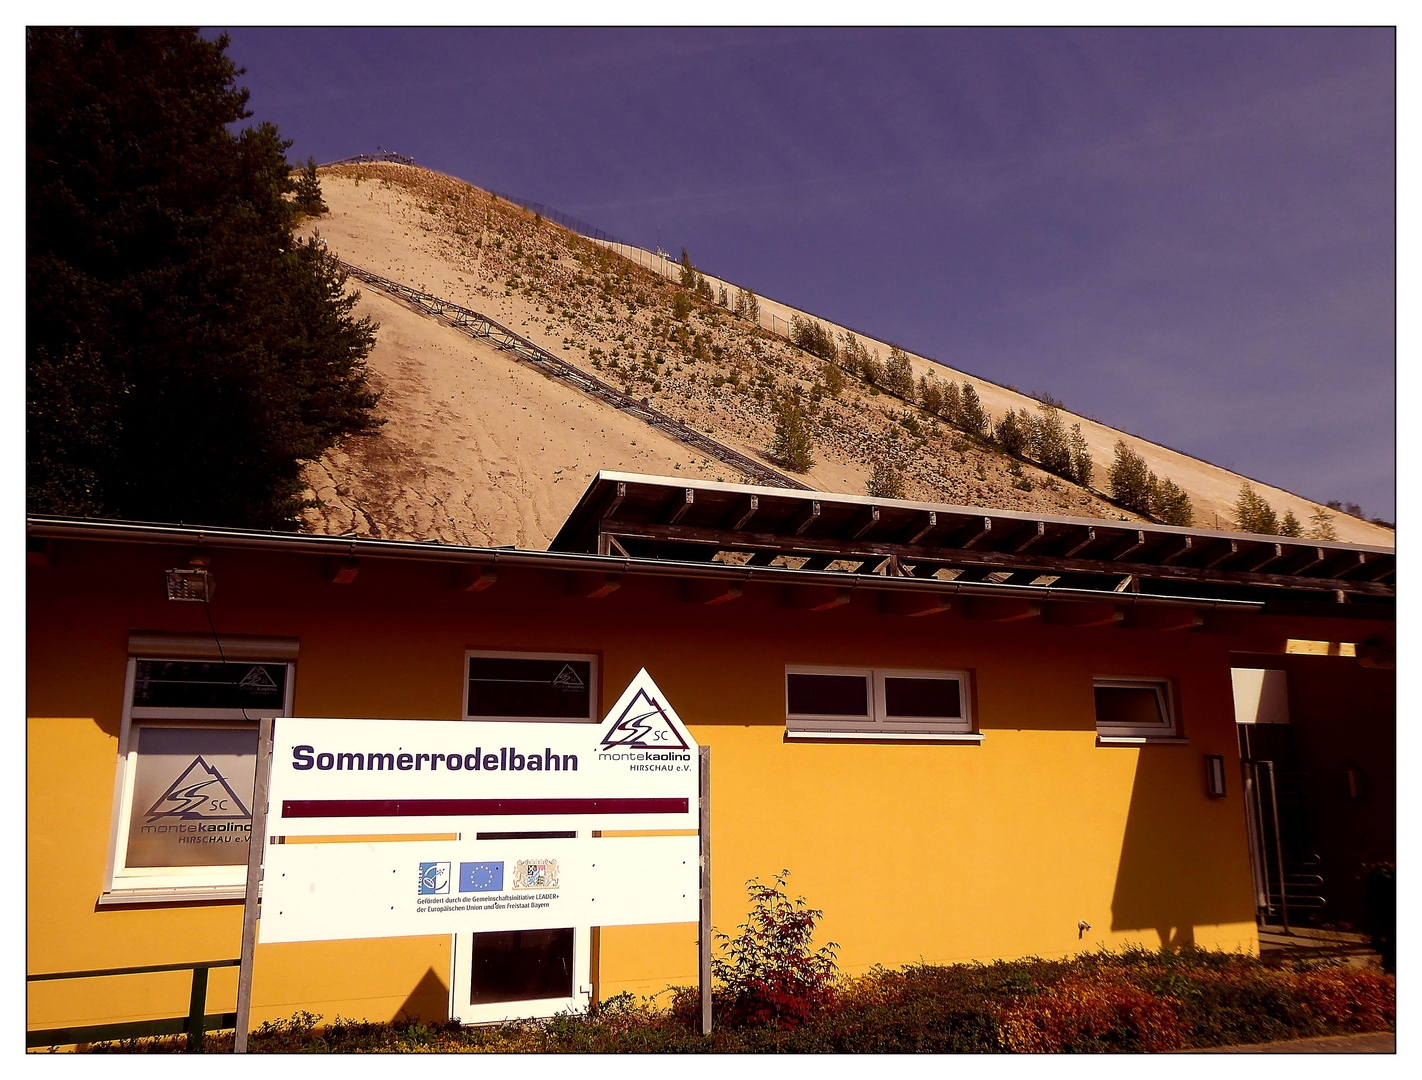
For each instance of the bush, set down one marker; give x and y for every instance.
(768, 973)
(886, 482)
(793, 446)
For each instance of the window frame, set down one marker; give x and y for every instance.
(877, 724)
(1136, 734)
(130, 885)
(594, 686)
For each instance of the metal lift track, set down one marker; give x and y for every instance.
(501, 337)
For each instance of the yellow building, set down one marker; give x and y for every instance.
(967, 733)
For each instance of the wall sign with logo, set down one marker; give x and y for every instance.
(637, 770)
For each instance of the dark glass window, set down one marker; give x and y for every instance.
(922, 698)
(196, 684)
(1129, 706)
(827, 695)
(530, 687)
(521, 965)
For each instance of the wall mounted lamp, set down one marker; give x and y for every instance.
(1214, 776)
(193, 584)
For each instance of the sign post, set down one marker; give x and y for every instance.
(639, 772)
(703, 940)
(255, 850)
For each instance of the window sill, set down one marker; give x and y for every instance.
(185, 895)
(973, 737)
(1141, 740)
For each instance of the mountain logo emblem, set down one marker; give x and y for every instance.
(568, 679)
(644, 723)
(258, 679)
(201, 793)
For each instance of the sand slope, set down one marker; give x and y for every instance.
(480, 449)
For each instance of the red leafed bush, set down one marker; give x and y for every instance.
(1090, 1016)
(1346, 998)
(768, 973)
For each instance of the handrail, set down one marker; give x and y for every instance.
(478, 325)
(198, 1020)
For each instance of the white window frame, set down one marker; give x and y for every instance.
(594, 686)
(877, 724)
(1135, 734)
(125, 885)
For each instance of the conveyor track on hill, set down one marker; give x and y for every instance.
(477, 325)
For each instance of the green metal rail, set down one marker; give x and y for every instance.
(198, 1020)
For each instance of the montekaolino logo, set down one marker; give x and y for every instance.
(201, 793)
(645, 725)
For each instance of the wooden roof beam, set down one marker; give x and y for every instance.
(474, 578)
(1001, 608)
(1025, 538)
(680, 504)
(1266, 554)
(1074, 613)
(342, 571)
(593, 584)
(1132, 541)
(804, 517)
(738, 517)
(1306, 559)
(1162, 618)
(710, 591)
(973, 532)
(865, 520)
(1225, 549)
(1076, 542)
(921, 527)
(1175, 549)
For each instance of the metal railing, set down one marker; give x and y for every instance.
(477, 325)
(195, 1024)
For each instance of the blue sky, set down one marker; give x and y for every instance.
(1187, 233)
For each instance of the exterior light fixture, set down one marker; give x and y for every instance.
(195, 584)
(1214, 776)
(1354, 776)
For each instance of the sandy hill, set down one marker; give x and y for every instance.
(481, 449)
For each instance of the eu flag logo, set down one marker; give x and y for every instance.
(481, 877)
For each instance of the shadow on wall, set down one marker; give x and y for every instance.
(1181, 870)
(428, 1001)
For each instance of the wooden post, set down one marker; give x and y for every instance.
(703, 755)
(255, 852)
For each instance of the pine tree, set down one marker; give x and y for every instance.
(184, 355)
(971, 416)
(898, 374)
(952, 408)
(930, 394)
(886, 482)
(1252, 514)
(1321, 526)
(1169, 503)
(1290, 525)
(1129, 479)
(833, 379)
(1050, 444)
(308, 190)
(793, 445)
(1008, 433)
(688, 272)
(1081, 465)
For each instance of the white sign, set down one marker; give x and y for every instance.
(636, 770)
(346, 778)
(319, 892)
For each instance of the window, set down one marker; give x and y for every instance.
(1133, 710)
(823, 702)
(187, 763)
(530, 686)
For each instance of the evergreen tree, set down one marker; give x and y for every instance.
(308, 190)
(1252, 514)
(886, 482)
(930, 394)
(1290, 525)
(833, 379)
(183, 354)
(1081, 465)
(1321, 526)
(1169, 503)
(1129, 479)
(1050, 445)
(688, 272)
(898, 373)
(793, 445)
(1008, 433)
(952, 403)
(971, 416)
